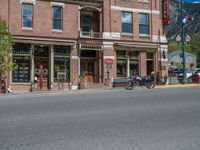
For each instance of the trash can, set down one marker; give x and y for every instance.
(60, 85)
(2, 85)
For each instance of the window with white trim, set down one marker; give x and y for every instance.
(126, 19)
(27, 15)
(57, 17)
(144, 24)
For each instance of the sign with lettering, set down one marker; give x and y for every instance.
(108, 61)
(166, 12)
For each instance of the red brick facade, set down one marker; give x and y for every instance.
(105, 37)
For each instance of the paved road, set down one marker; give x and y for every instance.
(159, 119)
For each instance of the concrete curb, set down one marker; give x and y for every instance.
(176, 85)
(87, 90)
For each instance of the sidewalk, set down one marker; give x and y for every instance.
(57, 92)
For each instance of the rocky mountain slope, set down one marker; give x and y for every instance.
(192, 27)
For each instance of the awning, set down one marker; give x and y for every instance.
(136, 46)
(90, 47)
(44, 41)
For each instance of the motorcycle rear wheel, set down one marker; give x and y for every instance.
(150, 85)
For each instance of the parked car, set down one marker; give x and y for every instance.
(188, 75)
(176, 71)
(196, 76)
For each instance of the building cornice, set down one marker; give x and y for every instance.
(148, 11)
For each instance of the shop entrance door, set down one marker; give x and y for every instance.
(150, 66)
(134, 67)
(90, 69)
(41, 70)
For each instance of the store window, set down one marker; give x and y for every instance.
(126, 22)
(21, 56)
(150, 56)
(134, 63)
(150, 63)
(144, 24)
(61, 63)
(27, 15)
(57, 18)
(121, 64)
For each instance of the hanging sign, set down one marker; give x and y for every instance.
(166, 12)
(108, 61)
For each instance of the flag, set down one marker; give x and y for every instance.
(185, 19)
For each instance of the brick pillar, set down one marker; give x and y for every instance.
(143, 64)
(74, 68)
(109, 53)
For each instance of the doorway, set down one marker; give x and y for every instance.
(41, 67)
(90, 65)
(150, 66)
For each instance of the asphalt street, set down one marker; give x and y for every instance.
(158, 119)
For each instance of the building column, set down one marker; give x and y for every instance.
(143, 64)
(127, 67)
(74, 68)
(32, 63)
(100, 70)
(101, 23)
(52, 66)
(79, 19)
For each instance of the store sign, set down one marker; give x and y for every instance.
(108, 61)
(166, 12)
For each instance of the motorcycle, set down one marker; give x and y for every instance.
(147, 81)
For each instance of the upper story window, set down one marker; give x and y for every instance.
(144, 24)
(126, 22)
(27, 15)
(86, 23)
(57, 17)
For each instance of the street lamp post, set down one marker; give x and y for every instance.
(183, 45)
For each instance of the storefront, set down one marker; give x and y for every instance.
(127, 63)
(136, 58)
(48, 64)
(91, 63)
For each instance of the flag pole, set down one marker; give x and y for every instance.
(183, 45)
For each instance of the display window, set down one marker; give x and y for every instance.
(61, 64)
(22, 73)
(21, 56)
(121, 64)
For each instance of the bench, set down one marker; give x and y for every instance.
(119, 81)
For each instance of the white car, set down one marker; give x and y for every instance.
(188, 75)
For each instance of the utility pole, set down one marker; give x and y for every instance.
(183, 45)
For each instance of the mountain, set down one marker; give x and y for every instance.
(192, 27)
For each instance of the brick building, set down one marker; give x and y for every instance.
(69, 39)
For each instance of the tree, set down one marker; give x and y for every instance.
(195, 46)
(173, 46)
(5, 49)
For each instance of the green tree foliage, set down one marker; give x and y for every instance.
(195, 47)
(5, 49)
(173, 46)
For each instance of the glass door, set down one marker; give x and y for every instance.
(41, 69)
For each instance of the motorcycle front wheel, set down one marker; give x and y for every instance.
(129, 85)
(150, 85)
